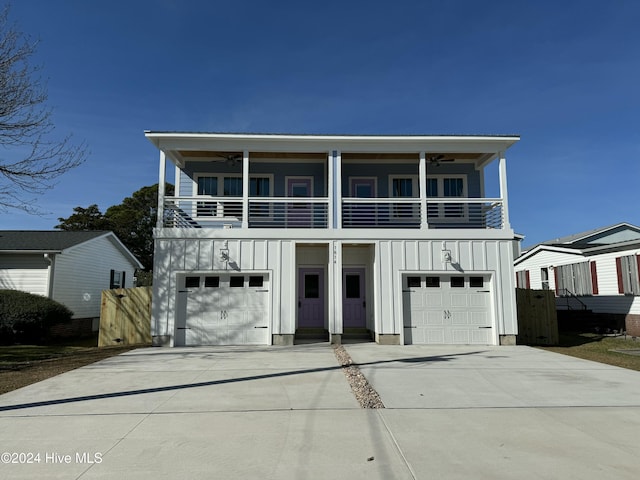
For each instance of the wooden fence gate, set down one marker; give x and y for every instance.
(537, 318)
(125, 317)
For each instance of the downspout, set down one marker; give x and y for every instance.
(50, 260)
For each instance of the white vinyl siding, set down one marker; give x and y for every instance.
(84, 271)
(28, 273)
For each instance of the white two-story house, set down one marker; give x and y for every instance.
(271, 236)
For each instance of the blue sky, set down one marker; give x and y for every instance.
(565, 75)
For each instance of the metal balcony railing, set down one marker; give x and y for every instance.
(313, 212)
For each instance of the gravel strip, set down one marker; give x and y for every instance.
(365, 394)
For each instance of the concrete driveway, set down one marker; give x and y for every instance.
(288, 412)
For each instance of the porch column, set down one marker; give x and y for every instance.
(330, 191)
(337, 189)
(245, 189)
(161, 181)
(422, 170)
(503, 191)
(335, 292)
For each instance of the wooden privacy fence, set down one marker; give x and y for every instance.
(125, 317)
(537, 319)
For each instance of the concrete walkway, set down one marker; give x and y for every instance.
(288, 413)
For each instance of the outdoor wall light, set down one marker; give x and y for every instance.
(224, 252)
(446, 256)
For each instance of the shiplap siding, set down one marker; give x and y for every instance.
(384, 260)
(26, 272)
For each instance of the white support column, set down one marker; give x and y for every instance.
(503, 191)
(422, 170)
(245, 189)
(330, 190)
(335, 322)
(161, 182)
(337, 172)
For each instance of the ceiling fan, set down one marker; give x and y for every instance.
(230, 158)
(437, 159)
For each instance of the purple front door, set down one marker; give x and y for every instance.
(310, 298)
(354, 305)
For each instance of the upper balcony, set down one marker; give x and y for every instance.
(329, 182)
(313, 212)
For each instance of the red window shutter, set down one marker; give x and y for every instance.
(619, 272)
(594, 278)
(526, 272)
(517, 280)
(555, 276)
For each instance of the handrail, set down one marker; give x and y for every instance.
(566, 293)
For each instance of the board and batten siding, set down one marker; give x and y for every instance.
(173, 256)
(82, 272)
(25, 272)
(387, 259)
(468, 257)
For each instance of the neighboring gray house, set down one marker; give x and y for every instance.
(271, 236)
(597, 270)
(72, 268)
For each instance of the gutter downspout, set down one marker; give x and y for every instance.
(50, 259)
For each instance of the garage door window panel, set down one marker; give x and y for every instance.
(432, 282)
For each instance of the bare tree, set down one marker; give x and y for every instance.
(31, 157)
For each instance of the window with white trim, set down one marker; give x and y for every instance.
(116, 279)
(447, 186)
(628, 274)
(522, 279)
(404, 187)
(574, 278)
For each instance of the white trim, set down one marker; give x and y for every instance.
(440, 178)
(359, 177)
(415, 185)
(298, 177)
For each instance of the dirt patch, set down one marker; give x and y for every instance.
(18, 374)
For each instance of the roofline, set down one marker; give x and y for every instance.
(31, 251)
(588, 251)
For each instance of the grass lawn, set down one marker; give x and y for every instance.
(22, 365)
(599, 348)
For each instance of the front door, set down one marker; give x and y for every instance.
(354, 305)
(299, 214)
(362, 214)
(310, 298)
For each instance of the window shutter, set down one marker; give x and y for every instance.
(517, 280)
(594, 278)
(526, 273)
(124, 274)
(555, 276)
(619, 272)
(111, 275)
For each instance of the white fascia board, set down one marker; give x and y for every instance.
(33, 252)
(322, 236)
(540, 248)
(320, 143)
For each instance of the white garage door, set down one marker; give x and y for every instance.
(226, 309)
(447, 309)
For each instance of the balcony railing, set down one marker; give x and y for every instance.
(287, 212)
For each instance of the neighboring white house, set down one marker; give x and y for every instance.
(596, 270)
(271, 236)
(72, 268)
